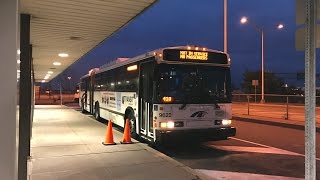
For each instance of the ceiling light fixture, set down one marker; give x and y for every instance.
(63, 55)
(56, 63)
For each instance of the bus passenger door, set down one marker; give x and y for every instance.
(85, 95)
(91, 92)
(145, 98)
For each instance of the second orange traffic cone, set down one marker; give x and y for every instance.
(109, 135)
(126, 134)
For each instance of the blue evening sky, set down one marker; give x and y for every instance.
(200, 22)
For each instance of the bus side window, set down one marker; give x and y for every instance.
(147, 80)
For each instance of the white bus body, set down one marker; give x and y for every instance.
(166, 94)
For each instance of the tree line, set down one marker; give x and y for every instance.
(273, 84)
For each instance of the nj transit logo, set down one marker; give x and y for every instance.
(199, 114)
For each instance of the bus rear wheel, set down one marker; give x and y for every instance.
(97, 112)
(132, 122)
(82, 107)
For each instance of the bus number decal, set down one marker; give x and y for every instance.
(164, 114)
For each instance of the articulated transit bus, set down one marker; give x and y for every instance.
(169, 93)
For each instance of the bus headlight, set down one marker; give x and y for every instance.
(163, 124)
(226, 122)
(169, 124)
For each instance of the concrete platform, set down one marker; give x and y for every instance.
(67, 145)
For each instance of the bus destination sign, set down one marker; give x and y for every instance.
(194, 56)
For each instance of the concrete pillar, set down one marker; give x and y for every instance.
(8, 79)
(25, 96)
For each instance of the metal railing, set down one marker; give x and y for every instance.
(270, 98)
(55, 97)
(287, 107)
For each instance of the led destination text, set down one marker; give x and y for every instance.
(194, 55)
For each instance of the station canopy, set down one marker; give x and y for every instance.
(72, 28)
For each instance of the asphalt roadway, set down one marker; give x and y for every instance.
(256, 149)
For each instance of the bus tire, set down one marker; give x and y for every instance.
(97, 112)
(82, 107)
(129, 114)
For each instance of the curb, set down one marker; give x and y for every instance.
(272, 123)
(198, 175)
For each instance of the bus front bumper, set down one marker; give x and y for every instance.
(196, 134)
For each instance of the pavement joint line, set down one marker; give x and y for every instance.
(240, 175)
(82, 154)
(197, 174)
(121, 165)
(50, 173)
(58, 145)
(298, 154)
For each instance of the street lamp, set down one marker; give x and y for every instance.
(244, 20)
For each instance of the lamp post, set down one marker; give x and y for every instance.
(225, 29)
(69, 77)
(244, 20)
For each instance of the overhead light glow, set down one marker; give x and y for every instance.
(43, 81)
(46, 77)
(50, 72)
(280, 26)
(63, 55)
(244, 20)
(18, 61)
(18, 51)
(57, 63)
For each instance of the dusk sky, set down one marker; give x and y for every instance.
(191, 22)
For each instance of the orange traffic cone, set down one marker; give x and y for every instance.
(109, 135)
(126, 134)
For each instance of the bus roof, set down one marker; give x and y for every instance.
(124, 61)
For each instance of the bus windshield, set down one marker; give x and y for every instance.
(193, 84)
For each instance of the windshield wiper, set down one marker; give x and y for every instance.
(215, 99)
